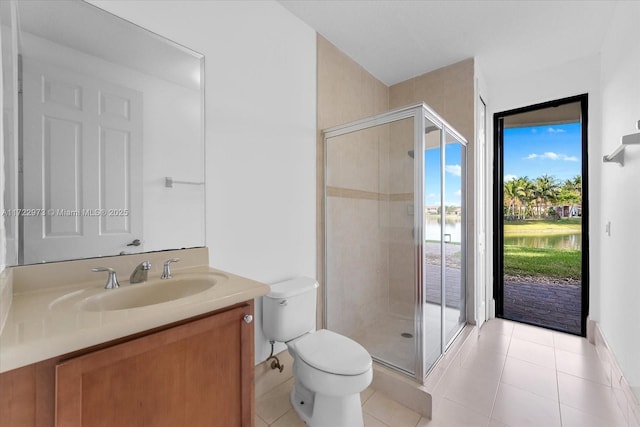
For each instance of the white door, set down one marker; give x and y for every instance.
(82, 165)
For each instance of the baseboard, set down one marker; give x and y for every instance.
(626, 396)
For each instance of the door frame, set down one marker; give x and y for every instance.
(498, 197)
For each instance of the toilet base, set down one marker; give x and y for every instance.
(318, 410)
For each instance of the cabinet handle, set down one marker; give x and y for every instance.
(247, 318)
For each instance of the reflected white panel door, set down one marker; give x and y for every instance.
(82, 165)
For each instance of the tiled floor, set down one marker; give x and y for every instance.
(514, 375)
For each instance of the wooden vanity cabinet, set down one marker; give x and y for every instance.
(195, 373)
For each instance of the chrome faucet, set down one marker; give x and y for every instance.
(140, 272)
(166, 270)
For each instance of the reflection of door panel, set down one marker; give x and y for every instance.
(82, 164)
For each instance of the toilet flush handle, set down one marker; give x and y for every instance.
(284, 302)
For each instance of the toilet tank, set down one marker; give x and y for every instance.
(289, 309)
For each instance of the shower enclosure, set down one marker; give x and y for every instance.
(395, 236)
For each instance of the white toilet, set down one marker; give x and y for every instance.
(330, 370)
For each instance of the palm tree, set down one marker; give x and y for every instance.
(510, 192)
(525, 191)
(546, 191)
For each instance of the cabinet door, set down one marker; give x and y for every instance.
(196, 374)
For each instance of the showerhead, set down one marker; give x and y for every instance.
(428, 129)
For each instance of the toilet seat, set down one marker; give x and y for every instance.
(333, 353)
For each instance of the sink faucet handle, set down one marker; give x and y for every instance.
(166, 270)
(112, 280)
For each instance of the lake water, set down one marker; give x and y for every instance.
(552, 241)
(452, 227)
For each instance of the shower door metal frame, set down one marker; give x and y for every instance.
(420, 113)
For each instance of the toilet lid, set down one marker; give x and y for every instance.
(333, 353)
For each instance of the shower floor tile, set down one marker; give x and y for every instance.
(384, 340)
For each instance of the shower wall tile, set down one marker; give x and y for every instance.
(401, 170)
(356, 265)
(346, 92)
(354, 159)
(448, 90)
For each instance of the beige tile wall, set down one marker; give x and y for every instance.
(401, 220)
(346, 92)
(356, 263)
(450, 91)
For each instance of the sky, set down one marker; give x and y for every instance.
(452, 176)
(528, 151)
(536, 150)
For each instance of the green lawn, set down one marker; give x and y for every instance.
(529, 227)
(559, 263)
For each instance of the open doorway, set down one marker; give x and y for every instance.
(541, 242)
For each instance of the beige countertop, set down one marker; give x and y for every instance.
(49, 322)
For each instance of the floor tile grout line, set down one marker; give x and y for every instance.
(495, 396)
(262, 419)
(378, 419)
(555, 362)
(598, 417)
(586, 379)
(281, 416)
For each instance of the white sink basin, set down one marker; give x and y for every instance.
(149, 293)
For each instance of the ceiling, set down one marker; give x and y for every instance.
(567, 113)
(397, 40)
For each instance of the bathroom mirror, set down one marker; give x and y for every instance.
(108, 156)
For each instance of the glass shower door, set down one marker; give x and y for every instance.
(370, 256)
(454, 238)
(432, 244)
(395, 236)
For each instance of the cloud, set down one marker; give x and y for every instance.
(555, 130)
(509, 177)
(432, 195)
(458, 193)
(550, 155)
(454, 169)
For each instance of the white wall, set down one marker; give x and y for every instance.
(620, 199)
(572, 78)
(260, 101)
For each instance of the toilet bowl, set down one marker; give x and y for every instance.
(330, 370)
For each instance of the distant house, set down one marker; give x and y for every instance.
(568, 211)
(431, 210)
